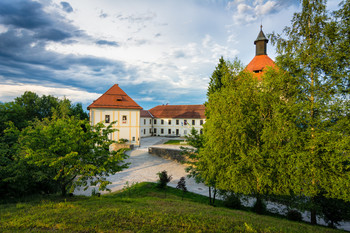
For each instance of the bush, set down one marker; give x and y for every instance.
(164, 179)
(294, 215)
(231, 199)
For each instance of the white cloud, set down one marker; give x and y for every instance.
(8, 92)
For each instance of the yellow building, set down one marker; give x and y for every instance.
(116, 105)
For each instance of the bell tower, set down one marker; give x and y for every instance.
(261, 43)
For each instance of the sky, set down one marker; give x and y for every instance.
(158, 51)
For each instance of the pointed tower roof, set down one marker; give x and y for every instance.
(115, 97)
(261, 36)
(261, 60)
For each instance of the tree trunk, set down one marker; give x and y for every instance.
(214, 195)
(313, 216)
(209, 195)
(63, 190)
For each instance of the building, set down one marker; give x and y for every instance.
(163, 120)
(261, 60)
(133, 122)
(177, 120)
(116, 105)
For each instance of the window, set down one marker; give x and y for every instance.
(169, 131)
(169, 122)
(144, 131)
(124, 119)
(144, 121)
(150, 130)
(162, 122)
(201, 122)
(155, 121)
(133, 139)
(193, 122)
(177, 122)
(162, 131)
(185, 122)
(155, 130)
(150, 121)
(107, 118)
(177, 131)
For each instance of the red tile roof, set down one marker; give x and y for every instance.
(258, 64)
(115, 97)
(178, 111)
(145, 113)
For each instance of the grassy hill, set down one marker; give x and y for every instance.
(141, 208)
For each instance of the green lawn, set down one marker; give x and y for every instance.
(142, 208)
(174, 142)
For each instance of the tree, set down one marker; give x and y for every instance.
(17, 177)
(71, 152)
(220, 71)
(314, 53)
(182, 186)
(250, 122)
(164, 179)
(196, 166)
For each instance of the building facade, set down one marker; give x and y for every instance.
(133, 122)
(116, 106)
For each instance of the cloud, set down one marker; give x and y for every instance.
(250, 11)
(10, 91)
(106, 42)
(66, 7)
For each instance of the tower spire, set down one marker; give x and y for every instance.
(260, 43)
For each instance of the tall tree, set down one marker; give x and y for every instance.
(311, 54)
(249, 124)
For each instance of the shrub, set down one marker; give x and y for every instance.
(164, 179)
(231, 199)
(182, 185)
(294, 215)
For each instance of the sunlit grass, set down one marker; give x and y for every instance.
(143, 209)
(174, 142)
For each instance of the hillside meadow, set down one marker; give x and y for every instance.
(138, 208)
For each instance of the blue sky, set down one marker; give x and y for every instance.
(157, 51)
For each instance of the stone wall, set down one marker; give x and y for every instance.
(117, 146)
(168, 153)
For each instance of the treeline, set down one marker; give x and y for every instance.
(285, 137)
(47, 146)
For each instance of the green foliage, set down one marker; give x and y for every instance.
(122, 140)
(182, 186)
(294, 215)
(71, 152)
(173, 142)
(164, 179)
(247, 132)
(231, 199)
(314, 53)
(16, 176)
(145, 212)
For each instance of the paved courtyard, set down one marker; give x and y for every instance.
(144, 167)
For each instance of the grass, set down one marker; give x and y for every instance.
(139, 208)
(174, 142)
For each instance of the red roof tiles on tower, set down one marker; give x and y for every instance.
(115, 97)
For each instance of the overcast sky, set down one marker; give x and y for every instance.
(158, 51)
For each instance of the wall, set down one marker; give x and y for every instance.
(129, 129)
